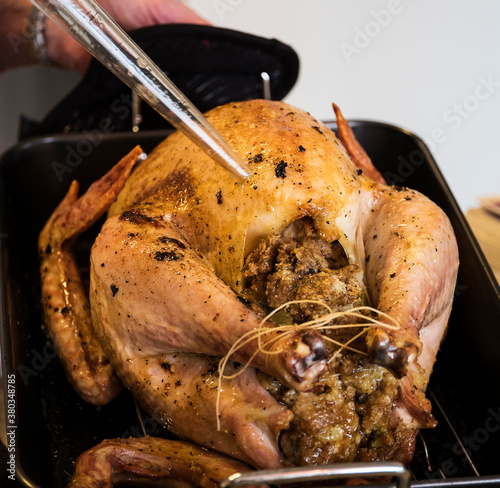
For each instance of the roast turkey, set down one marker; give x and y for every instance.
(290, 319)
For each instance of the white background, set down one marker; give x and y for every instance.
(422, 67)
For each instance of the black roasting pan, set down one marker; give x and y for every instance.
(52, 426)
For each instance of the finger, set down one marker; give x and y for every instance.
(65, 51)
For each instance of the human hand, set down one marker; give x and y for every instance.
(67, 53)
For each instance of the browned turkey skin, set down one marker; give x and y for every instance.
(190, 260)
(151, 460)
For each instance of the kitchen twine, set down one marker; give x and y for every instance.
(37, 38)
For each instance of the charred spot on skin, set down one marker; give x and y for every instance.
(280, 170)
(135, 217)
(315, 127)
(114, 289)
(258, 158)
(177, 186)
(218, 195)
(359, 172)
(302, 148)
(166, 367)
(166, 256)
(171, 240)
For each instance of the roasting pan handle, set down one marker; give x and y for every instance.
(320, 473)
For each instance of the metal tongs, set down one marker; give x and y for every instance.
(92, 27)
